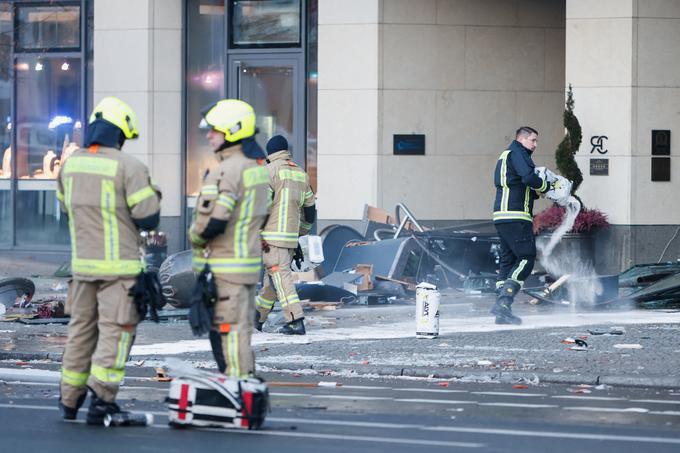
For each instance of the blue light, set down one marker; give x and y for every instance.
(59, 120)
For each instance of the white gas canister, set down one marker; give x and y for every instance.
(427, 311)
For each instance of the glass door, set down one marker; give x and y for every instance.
(273, 87)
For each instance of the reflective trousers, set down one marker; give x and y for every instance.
(278, 285)
(233, 329)
(100, 335)
(518, 250)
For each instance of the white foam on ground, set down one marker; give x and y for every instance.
(407, 329)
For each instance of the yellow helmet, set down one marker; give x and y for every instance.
(234, 118)
(118, 113)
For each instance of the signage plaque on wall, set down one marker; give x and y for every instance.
(598, 144)
(409, 144)
(599, 167)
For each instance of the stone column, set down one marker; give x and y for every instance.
(623, 59)
(348, 107)
(138, 57)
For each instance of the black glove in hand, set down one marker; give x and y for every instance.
(298, 257)
(203, 300)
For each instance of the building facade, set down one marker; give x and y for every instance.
(383, 101)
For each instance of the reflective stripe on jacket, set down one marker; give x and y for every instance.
(236, 192)
(517, 185)
(291, 192)
(103, 191)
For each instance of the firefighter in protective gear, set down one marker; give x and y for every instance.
(109, 198)
(225, 231)
(517, 186)
(292, 215)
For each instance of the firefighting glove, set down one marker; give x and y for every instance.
(203, 299)
(147, 295)
(298, 257)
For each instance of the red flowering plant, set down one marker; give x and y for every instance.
(586, 221)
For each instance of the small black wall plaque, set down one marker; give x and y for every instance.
(661, 143)
(661, 168)
(409, 144)
(599, 167)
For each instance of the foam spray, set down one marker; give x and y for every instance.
(569, 260)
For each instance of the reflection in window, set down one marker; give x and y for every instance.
(270, 23)
(5, 123)
(270, 90)
(204, 81)
(48, 27)
(312, 89)
(48, 109)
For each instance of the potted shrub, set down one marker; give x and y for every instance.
(577, 245)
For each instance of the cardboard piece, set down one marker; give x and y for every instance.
(366, 270)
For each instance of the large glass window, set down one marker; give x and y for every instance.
(205, 58)
(271, 23)
(6, 218)
(312, 90)
(48, 27)
(48, 129)
(48, 113)
(42, 114)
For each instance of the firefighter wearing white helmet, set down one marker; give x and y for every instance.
(109, 198)
(225, 231)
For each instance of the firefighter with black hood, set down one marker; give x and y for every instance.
(109, 198)
(292, 215)
(225, 232)
(517, 186)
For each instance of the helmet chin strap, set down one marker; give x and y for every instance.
(226, 145)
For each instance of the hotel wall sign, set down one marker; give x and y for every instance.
(598, 143)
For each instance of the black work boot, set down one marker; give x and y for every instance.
(70, 413)
(501, 308)
(258, 325)
(99, 409)
(296, 327)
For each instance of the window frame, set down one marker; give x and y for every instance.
(25, 5)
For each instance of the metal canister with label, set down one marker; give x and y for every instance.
(427, 311)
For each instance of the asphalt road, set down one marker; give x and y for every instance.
(368, 415)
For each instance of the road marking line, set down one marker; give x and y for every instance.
(350, 397)
(665, 412)
(636, 410)
(429, 390)
(363, 387)
(533, 406)
(557, 435)
(387, 440)
(585, 397)
(508, 394)
(656, 401)
(423, 400)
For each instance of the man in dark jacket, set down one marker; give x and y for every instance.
(517, 186)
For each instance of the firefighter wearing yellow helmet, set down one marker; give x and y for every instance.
(225, 231)
(109, 198)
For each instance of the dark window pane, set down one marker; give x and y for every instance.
(258, 22)
(204, 81)
(48, 27)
